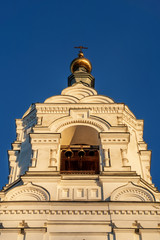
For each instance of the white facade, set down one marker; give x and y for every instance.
(47, 199)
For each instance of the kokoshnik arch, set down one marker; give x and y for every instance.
(79, 169)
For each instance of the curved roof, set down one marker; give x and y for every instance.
(78, 93)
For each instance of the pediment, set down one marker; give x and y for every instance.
(27, 192)
(132, 192)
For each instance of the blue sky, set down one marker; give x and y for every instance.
(37, 40)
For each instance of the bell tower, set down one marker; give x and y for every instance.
(79, 169)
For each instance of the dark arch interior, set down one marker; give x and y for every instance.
(79, 150)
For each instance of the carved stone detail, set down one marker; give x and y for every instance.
(85, 121)
(131, 192)
(117, 108)
(80, 212)
(27, 192)
(80, 193)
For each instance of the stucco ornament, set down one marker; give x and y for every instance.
(131, 192)
(27, 192)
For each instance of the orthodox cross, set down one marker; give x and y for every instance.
(81, 47)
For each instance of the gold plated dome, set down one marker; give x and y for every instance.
(81, 61)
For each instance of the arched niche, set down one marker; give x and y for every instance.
(79, 150)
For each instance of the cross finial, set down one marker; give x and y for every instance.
(81, 47)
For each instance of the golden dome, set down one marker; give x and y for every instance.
(81, 61)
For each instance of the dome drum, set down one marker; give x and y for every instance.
(86, 78)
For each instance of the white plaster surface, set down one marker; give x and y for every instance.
(119, 203)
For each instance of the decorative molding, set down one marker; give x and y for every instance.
(115, 140)
(131, 192)
(115, 108)
(107, 108)
(50, 109)
(79, 193)
(44, 141)
(27, 192)
(16, 146)
(83, 121)
(79, 116)
(135, 123)
(80, 212)
(45, 138)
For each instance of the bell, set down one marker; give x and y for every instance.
(91, 153)
(81, 153)
(68, 153)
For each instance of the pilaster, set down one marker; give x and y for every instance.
(45, 151)
(114, 146)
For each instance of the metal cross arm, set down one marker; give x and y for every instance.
(81, 47)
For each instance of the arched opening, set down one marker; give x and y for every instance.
(79, 150)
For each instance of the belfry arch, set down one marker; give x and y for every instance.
(79, 134)
(79, 150)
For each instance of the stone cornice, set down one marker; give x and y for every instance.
(115, 137)
(19, 229)
(58, 212)
(95, 107)
(89, 209)
(133, 122)
(44, 138)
